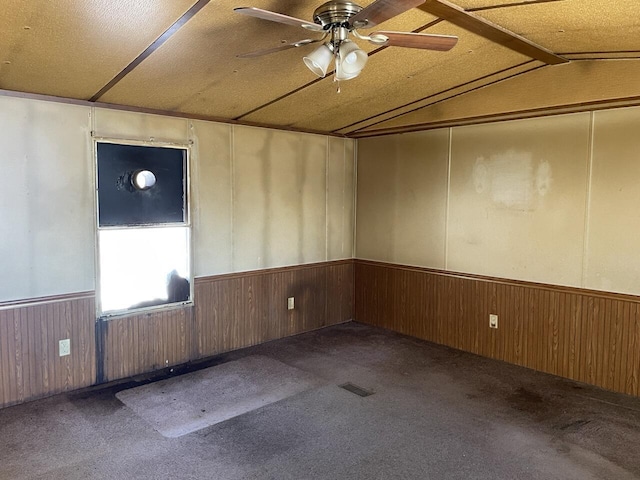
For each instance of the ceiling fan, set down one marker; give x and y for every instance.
(336, 20)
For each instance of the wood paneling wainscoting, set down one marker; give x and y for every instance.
(589, 336)
(135, 344)
(242, 309)
(584, 335)
(30, 365)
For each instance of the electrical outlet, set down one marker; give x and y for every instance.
(64, 347)
(291, 303)
(493, 321)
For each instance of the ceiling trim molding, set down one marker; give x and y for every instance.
(442, 92)
(610, 55)
(489, 30)
(45, 98)
(523, 3)
(501, 117)
(188, 15)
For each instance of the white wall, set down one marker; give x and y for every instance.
(552, 199)
(402, 198)
(613, 229)
(517, 199)
(268, 198)
(259, 198)
(46, 201)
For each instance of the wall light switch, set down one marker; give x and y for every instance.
(290, 303)
(64, 347)
(493, 321)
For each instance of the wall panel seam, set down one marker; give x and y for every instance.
(232, 139)
(326, 198)
(355, 199)
(447, 202)
(587, 214)
(343, 230)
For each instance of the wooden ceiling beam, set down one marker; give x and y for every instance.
(188, 15)
(495, 33)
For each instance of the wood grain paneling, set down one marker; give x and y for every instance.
(30, 365)
(238, 310)
(585, 335)
(145, 342)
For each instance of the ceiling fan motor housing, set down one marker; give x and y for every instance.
(335, 13)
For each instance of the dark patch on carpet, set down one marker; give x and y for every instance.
(574, 425)
(350, 387)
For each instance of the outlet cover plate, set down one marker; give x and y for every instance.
(291, 304)
(493, 321)
(64, 347)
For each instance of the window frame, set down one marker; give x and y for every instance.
(187, 223)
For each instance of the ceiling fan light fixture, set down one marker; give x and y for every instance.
(352, 59)
(341, 75)
(341, 19)
(318, 61)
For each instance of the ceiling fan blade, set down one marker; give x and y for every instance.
(286, 46)
(495, 33)
(427, 41)
(278, 17)
(382, 10)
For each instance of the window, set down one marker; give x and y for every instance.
(143, 227)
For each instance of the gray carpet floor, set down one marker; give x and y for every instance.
(186, 403)
(435, 413)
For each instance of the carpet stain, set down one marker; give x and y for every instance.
(527, 401)
(574, 425)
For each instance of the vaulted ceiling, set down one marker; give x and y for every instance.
(513, 58)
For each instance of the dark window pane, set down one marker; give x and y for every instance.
(120, 202)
